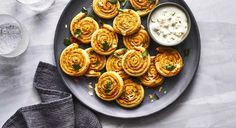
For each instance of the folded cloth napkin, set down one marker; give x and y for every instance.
(58, 108)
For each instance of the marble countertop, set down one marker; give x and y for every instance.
(209, 102)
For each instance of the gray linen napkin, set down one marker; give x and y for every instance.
(58, 108)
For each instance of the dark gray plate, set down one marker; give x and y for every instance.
(173, 86)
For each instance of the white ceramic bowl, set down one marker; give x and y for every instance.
(163, 5)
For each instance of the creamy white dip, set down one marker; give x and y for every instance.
(168, 25)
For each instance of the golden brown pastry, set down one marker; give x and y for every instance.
(74, 61)
(114, 63)
(83, 27)
(110, 86)
(97, 63)
(143, 7)
(168, 61)
(141, 38)
(104, 41)
(152, 77)
(106, 9)
(127, 22)
(132, 95)
(136, 62)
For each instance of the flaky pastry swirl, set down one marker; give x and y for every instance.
(168, 61)
(141, 38)
(132, 95)
(104, 41)
(143, 7)
(110, 86)
(127, 22)
(152, 77)
(83, 27)
(105, 9)
(97, 63)
(136, 62)
(74, 61)
(114, 63)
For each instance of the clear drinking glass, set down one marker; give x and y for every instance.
(37, 5)
(14, 38)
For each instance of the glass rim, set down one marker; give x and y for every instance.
(27, 3)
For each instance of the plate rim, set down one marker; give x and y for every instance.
(143, 115)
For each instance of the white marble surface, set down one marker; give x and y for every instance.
(209, 102)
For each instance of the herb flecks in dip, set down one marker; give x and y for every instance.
(169, 25)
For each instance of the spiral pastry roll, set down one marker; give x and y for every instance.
(104, 41)
(152, 77)
(97, 63)
(127, 22)
(136, 62)
(105, 8)
(143, 7)
(83, 27)
(141, 38)
(114, 63)
(110, 86)
(168, 61)
(74, 61)
(132, 95)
